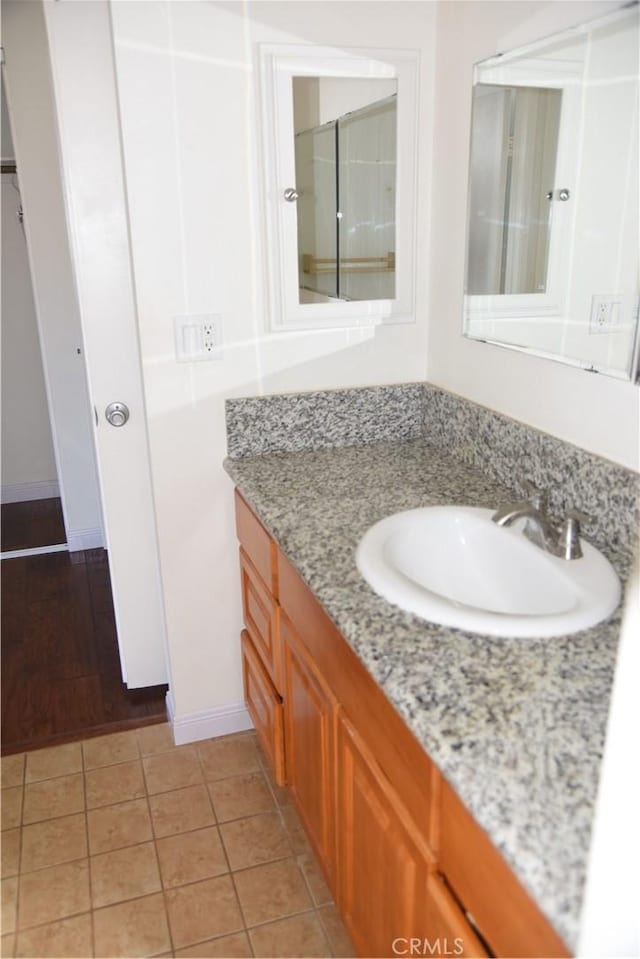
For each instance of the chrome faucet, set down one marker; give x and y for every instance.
(559, 540)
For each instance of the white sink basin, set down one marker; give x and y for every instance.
(452, 565)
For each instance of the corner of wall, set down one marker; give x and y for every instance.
(209, 723)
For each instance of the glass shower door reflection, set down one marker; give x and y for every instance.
(317, 205)
(367, 202)
(346, 207)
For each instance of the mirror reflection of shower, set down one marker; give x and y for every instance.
(552, 227)
(514, 144)
(346, 181)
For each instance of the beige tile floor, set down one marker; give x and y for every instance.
(129, 846)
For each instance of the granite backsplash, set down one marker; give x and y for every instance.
(504, 449)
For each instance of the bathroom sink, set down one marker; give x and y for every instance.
(452, 565)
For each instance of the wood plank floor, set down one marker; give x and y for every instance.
(38, 522)
(60, 666)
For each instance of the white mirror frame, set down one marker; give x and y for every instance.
(278, 64)
(487, 317)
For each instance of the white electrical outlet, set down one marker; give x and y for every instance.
(198, 337)
(606, 313)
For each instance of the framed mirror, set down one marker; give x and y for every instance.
(552, 227)
(339, 157)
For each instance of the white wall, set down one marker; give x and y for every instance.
(337, 98)
(28, 463)
(187, 98)
(610, 922)
(596, 412)
(29, 96)
(318, 100)
(605, 239)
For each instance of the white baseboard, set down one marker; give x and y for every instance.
(219, 721)
(23, 492)
(90, 538)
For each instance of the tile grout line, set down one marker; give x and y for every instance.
(163, 890)
(232, 872)
(293, 853)
(37, 822)
(62, 862)
(86, 826)
(48, 922)
(288, 915)
(224, 850)
(294, 856)
(147, 798)
(315, 907)
(325, 932)
(52, 922)
(109, 806)
(19, 876)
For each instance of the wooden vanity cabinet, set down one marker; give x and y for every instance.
(258, 545)
(265, 707)
(445, 915)
(384, 861)
(261, 660)
(309, 716)
(503, 911)
(406, 862)
(261, 615)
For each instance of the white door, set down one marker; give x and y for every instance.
(85, 102)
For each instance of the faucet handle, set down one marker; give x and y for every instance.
(569, 533)
(539, 498)
(578, 516)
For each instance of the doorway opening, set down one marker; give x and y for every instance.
(61, 669)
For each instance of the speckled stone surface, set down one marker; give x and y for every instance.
(505, 449)
(511, 452)
(300, 421)
(516, 726)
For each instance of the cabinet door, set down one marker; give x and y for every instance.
(448, 926)
(383, 860)
(510, 921)
(309, 741)
(265, 708)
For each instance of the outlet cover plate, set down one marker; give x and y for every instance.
(606, 313)
(198, 337)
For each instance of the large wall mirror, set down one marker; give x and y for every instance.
(339, 132)
(552, 233)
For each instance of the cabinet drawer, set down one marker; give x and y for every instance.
(261, 615)
(265, 707)
(447, 924)
(503, 911)
(257, 544)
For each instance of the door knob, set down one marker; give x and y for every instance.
(563, 194)
(117, 414)
(291, 195)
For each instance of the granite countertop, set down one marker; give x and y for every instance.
(516, 726)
